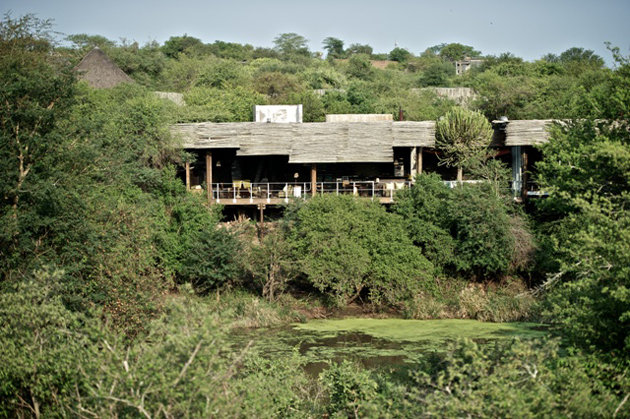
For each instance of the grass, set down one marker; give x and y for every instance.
(507, 301)
(241, 309)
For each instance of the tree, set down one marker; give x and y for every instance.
(34, 94)
(359, 49)
(334, 46)
(399, 54)
(290, 44)
(434, 50)
(437, 74)
(576, 54)
(587, 234)
(457, 52)
(462, 136)
(85, 41)
(349, 248)
(360, 67)
(276, 85)
(470, 230)
(176, 45)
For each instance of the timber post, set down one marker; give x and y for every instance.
(524, 177)
(313, 179)
(261, 208)
(209, 175)
(187, 166)
(416, 162)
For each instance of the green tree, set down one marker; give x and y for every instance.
(359, 49)
(586, 170)
(399, 54)
(291, 44)
(360, 67)
(34, 95)
(457, 52)
(424, 208)
(437, 74)
(84, 41)
(334, 46)
(41, 345)
(470, 381)
(577, 54)
(462, 136)
(350, 248)
(176, 45)
(277, 86)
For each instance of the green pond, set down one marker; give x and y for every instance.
(375, 342)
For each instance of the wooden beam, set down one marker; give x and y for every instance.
(209, 175)
(261, 208)
(313, 179)
(413, 163)
(187, 176)
(524, 177)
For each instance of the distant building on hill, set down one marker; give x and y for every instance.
(466, 64)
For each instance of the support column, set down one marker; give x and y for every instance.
(313, 179)
(524, 177)
(419, 161)
(209, 175)
(187, 165)
(517, 170)
(413, 163)
(261, 208)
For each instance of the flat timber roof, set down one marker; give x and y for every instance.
(334, 142)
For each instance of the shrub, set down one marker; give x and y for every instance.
(209, 259)
(349, 386)
(267, 259)
(468, 230)
(347, 247)
(41, 343)
(513, 379)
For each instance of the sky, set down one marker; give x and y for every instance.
(526, 28)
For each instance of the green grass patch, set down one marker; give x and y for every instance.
(399, 330)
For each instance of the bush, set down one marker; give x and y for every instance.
(267, 259)
(349, 386)
(41, 344)
(347, 248)
(468, 230)
(514, 379)
(208, 259)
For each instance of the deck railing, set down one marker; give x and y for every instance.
(244, 191)
(241, 191)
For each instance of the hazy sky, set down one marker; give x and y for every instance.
(528, 29)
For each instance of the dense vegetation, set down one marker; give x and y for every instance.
(118, 289)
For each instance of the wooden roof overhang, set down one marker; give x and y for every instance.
(523, 132)
(332, 142)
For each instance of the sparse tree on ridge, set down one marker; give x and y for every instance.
(359, 49)
(289, 44)
(334, 46)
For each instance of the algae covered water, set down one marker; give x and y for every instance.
(376, 342)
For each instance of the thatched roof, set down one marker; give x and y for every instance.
(526, 132)
(99, 71)
(337, 142)
(332, 142)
